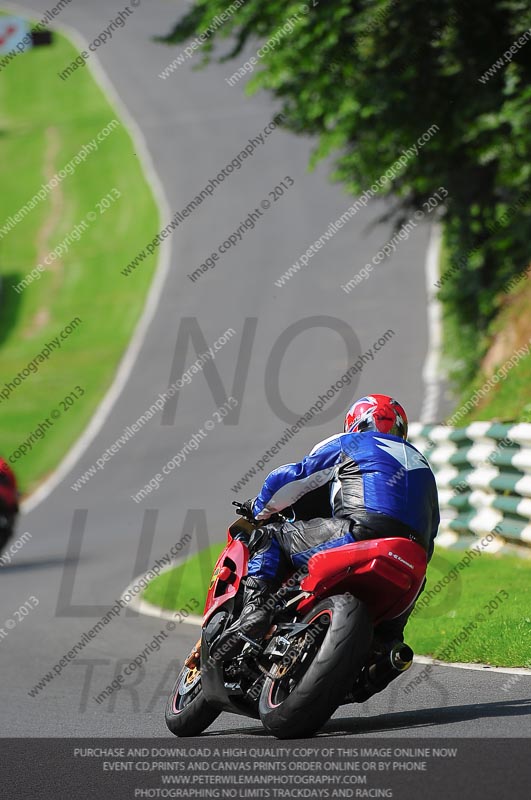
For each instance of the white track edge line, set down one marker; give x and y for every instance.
(430, 371)
(148, 609)
(130, 356)
(463, 665)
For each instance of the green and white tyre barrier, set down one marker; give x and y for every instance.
(483, 474)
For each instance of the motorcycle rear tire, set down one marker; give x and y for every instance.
(303, 709)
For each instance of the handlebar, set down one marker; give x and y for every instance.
(286, 515)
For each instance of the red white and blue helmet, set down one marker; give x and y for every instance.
(377, 412)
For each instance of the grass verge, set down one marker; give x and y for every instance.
(506, 398)
(176, 587)
(44, 124)
(494, 593)
(501, 638)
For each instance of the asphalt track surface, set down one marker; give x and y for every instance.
(194, 124)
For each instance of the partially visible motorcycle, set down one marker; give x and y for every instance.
(6, 529)
(8, 502)
(318, 653)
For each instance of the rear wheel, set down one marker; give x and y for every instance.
(312, 678)
(187, 711)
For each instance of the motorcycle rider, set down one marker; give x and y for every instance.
(8, 502)
(380, 486)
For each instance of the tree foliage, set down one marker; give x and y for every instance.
(366, 78)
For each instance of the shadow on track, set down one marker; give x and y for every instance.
(42, 563)
(401, 720)
(426, 717)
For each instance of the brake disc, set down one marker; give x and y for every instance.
(280, 670)
(189, 680)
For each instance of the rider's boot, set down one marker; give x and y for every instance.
(254, 620)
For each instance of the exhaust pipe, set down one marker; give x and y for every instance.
(401, 657)
(377, 676)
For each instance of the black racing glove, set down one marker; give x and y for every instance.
(245, 509)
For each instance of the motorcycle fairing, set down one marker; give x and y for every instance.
(385, 574)
(230, 568)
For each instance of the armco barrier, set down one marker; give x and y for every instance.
(483, 474)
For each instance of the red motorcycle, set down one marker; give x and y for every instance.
(318, 652)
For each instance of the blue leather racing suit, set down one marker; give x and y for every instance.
(380, 485)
